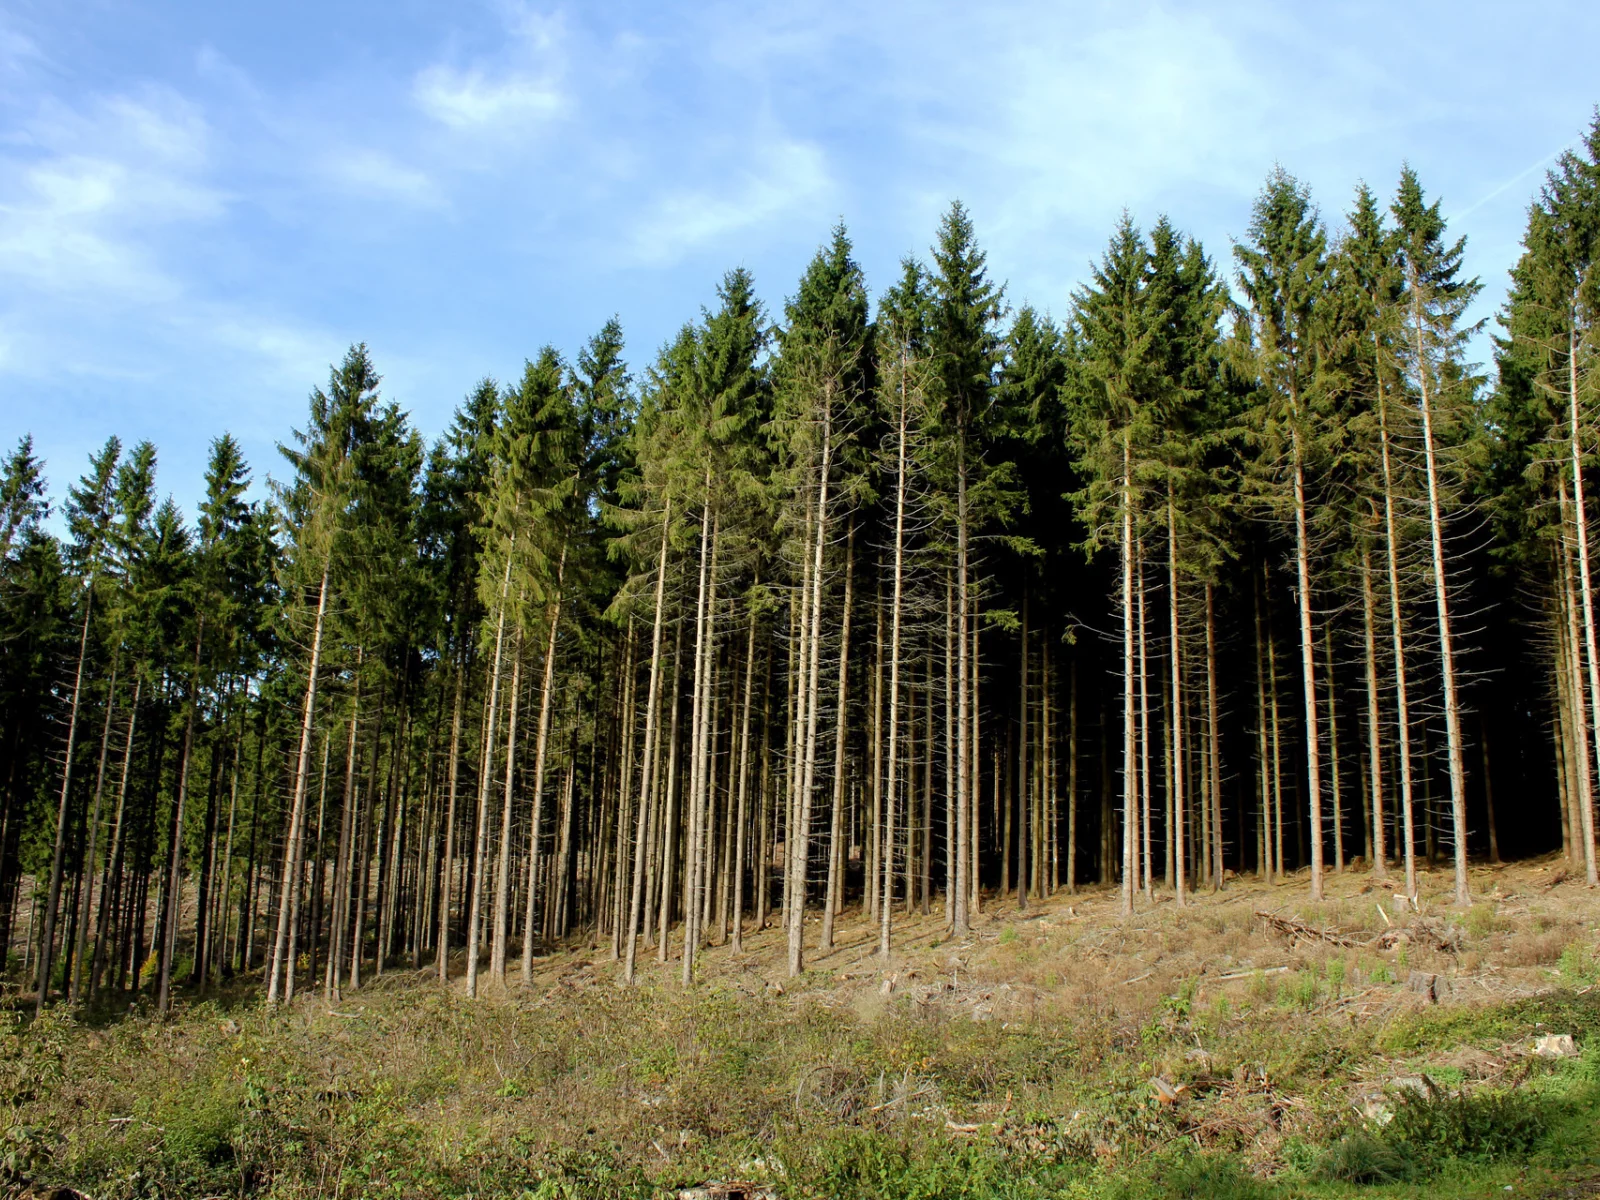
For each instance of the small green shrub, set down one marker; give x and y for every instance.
(1578, 965)
(1196, 1177)
(1434, 1126)
(1362, 1157)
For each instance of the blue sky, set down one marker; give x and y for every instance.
(202, 205)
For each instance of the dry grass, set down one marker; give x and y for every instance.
(1032, 1041)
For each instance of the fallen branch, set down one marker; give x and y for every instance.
(1253, 971)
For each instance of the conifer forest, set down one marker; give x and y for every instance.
(889, 598)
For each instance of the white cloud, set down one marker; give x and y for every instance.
(520, 91)
(85, 189)
(372, 172)
(790, 176)
(472, 99)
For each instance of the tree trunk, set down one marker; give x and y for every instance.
(1380, 866)
(1180, 769)
(447, 864)
(1402, 701)
(1586, 599)
(485, 777)
(1447, 659)
(53, 897)
(537, 820)
(842, 726)
(1307, 658)
(1130, 819)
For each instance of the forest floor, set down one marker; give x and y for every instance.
(1248, 1046)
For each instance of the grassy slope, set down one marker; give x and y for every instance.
(1017, 1063)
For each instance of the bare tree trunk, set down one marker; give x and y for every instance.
(966, 873)
(1264, 862)
(1214, 732)
(1022, 764)
(1333, 752)
(669, 824)
(636, 899)
(1402, 700)
(113, 869)
(1447, 658)
(1380, 865)
(811, 626)
(1180, 770)
(1586, 598)
(700, 735)
(447, 867)
(53, 897)
(1308, 659)
(886, 905)
(86, 872)
(1072, 781)
(842, 726)
(1146, 871)
(1130, 816)
(503, 863)
(536, 821)
(174, 891)
(485, 778)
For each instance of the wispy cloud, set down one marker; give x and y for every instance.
(371, 172)
(510, 93)
(788, 177)
(90, 190)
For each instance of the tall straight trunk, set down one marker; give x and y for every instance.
(86, 871)
(1333, 752)
(1308, 666)
(503, 860)
(110, 881)
(174, 890)
(651, 736)
(975, 675)
(964, 879)
(1586, 603)
(1447, 656)
(1145, 872)
(623, 766)
(742, 813)
(1397, 629)
(1264, 840)
(1072, 780)
(886, 903)
(1214, 735)
(811, 625)
(447, 864)
(58, 855)
(874, 849)
(485, 779)
(536, 821)
(1380, 865)
(669, 823)
(291, 957)
(700, 737)
(1180, 770)
(345, 854)
(842, 727)
(1130, 815)
(1579, 764)
(1023, 844)
(1488, 792)
(952, 845)
(280, 943)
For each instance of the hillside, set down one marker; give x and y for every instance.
(1250, 1044)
